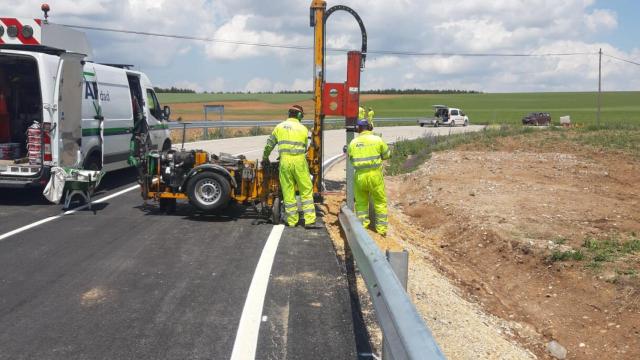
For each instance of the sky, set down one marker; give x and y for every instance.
(423, 26)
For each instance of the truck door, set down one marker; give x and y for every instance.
(154, 119)
(68, 93)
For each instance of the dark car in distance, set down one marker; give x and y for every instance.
(537, 118)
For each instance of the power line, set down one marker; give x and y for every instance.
(299, 47)
(185, 37)
(462, 54)
(621, 59)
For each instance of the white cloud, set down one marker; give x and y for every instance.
(435, 26)
(216, 84)
(601, 19)
(382, 62)
(259, 85)
(239, 29)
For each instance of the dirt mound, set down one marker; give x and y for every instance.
(544, 239)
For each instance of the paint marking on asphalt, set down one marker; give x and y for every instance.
(51, 218)
(246, 342)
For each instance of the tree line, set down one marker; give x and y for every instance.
(377, 91)
(174, 90)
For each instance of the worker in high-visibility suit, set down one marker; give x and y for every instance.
(366, 153)
(292, 138)
(361, 113)
(370, 115)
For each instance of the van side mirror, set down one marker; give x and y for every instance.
(167, 112)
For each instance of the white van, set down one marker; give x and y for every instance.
(85, 111)
(445, 115)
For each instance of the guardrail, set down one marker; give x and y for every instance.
(264, 123)
(405, 332)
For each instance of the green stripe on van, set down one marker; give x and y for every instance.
(88, 73)
(107, 132)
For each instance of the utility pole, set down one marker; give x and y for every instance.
(599, 86)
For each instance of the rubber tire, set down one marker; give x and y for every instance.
(92, 163)
(452, 123)
(421, 125)
(225, 188)
(466, 123)
(276, 212)
(436, 124)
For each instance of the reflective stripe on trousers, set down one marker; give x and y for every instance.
(294, 172)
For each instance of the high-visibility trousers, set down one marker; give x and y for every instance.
(370, 183)
(294, 173)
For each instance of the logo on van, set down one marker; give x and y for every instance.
(91, 91)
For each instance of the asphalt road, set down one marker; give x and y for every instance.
(125, 281)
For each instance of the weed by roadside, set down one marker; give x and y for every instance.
(600, 251)
(408, 155)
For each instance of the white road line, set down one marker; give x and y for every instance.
(51, 218)
(246, 342)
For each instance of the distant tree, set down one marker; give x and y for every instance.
(174, 89)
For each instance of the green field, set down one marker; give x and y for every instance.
(498, 108)
(172, 98)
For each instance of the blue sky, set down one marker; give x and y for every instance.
(467, 26)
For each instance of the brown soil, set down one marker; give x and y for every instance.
(461, 328)
(492, 219)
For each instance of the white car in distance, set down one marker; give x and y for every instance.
(445, 115)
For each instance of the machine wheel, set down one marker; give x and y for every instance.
(276, 211)
(208, 191)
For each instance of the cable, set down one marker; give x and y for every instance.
(185, 37)
(621, 59)
(299, 47)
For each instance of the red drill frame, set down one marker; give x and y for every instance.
(344, 98)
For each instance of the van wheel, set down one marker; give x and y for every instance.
(452, 123)
(436, 124)
(208, 191)
(421, 125)
(466, 122)
(93, 163)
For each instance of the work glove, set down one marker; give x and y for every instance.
(344, 149)
(265, 162)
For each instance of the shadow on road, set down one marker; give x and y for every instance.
(33, 196)
(233, 212)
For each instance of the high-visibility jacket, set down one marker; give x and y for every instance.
(291, 138)
(367, 151)
(361, 113)
(370, 116)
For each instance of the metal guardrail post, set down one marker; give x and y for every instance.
(405, 332)
(350, 176)
(399, 261)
